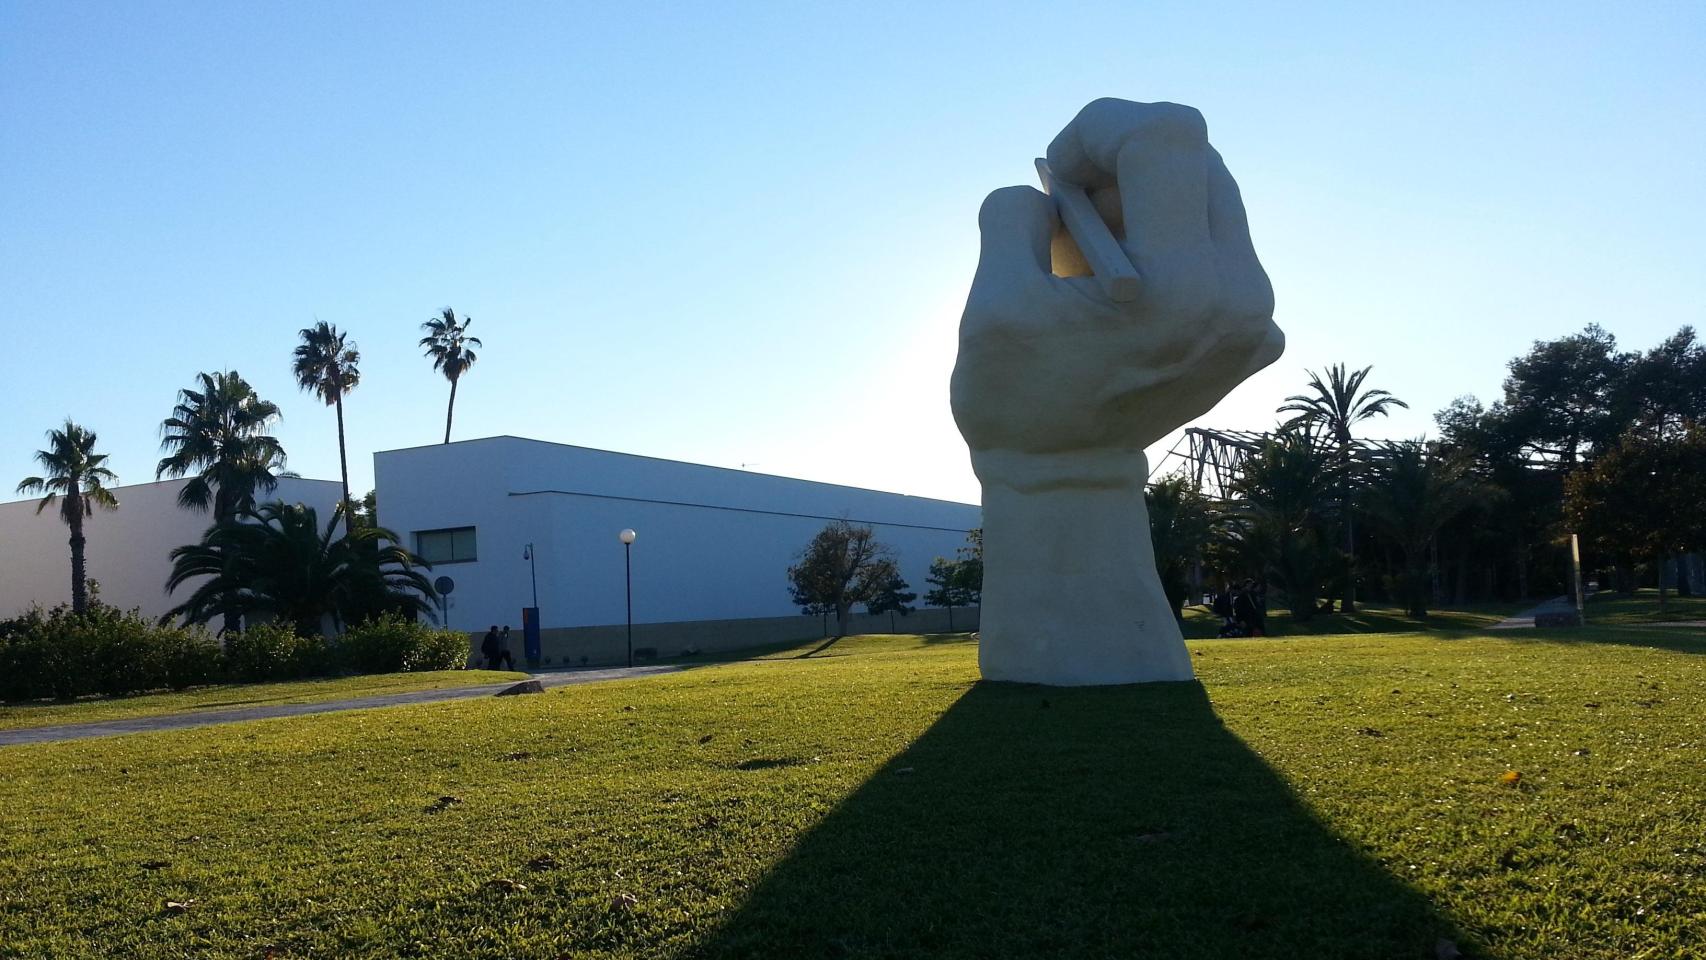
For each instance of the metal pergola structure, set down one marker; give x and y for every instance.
(1211, 458)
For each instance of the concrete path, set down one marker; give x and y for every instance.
(204, 718)
(1526, 618)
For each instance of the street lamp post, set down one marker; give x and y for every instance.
(627, 537)
(533, 570)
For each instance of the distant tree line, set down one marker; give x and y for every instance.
(845, 565)
(1586, 439)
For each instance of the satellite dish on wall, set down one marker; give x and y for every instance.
(444, 586)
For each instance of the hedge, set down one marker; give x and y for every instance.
(64, 655)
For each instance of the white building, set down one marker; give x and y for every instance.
(709, 566)
(128, 550)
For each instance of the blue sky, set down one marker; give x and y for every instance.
(742, 233)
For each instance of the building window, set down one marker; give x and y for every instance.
(446, 546)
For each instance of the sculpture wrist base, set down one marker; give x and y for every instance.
(1071, 596)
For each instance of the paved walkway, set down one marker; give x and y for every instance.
(1526, 618)
(204, 718)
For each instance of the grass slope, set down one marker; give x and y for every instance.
(1642, 606)
(1339, 796)
(15, 716)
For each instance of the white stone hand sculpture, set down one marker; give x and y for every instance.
(1059, 389)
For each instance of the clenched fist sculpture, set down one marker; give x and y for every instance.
(1058, 388)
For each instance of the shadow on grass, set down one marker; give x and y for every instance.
(1678, 639)
(1101, 822)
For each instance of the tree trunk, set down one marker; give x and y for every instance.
(1521, 570)
(950, 618)
(1349, 603)
(79, 574)
(841, 611)
(451, 410)
(343, 466)
(1660, 564)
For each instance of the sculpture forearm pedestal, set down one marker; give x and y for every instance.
(1070, 592)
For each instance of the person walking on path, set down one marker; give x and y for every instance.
(503, 649)
(490, 647)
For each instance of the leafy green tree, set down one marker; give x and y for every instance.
(1640, 500)
(327, 365)
(893, 598)
(1664, 389)
(76, 476)
(1283, 520)
(447, 343)
(843, 565)
(970, 559)
(1334, 405)
(950, 586)
(218, 436)
(367, 510)
(1181, 524)
(1564, 398)
(1411, 495)
(278, 562)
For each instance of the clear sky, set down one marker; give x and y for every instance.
(742, 233)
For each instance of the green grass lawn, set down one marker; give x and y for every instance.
(1642, 606)
(1202, 624)
(1522, 796)
(15, 716)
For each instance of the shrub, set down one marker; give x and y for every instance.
(273, 651)
(391, 643)
(61, 654)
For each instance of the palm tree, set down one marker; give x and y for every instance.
(1415, 493)
(326, 364)
(276, 560)
(217, 435)
(447, 343)
(1181, 523)
(1337, 404)
(1281, 522)
(75, 474)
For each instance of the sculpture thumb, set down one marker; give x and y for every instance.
(1017, 224)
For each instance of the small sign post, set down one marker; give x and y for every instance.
(1576, 577)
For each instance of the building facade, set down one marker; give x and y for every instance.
(128, 551)
(505, 518)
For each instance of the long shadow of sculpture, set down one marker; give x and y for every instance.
(1093, 822)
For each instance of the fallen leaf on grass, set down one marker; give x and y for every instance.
(623, 902)
(704, 739)
(442, 803)
(518, 755)
(1582, 752)
(178, 906)
(1510, 778)
(1370, 732)
(542, 862)
(506, 885)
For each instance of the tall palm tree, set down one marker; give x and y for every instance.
(218, 436)
(1282, 519)
(282, 563)
(326, 364)
(447, 343)
(1333, 407)
(75, 474)
(1181, 523)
